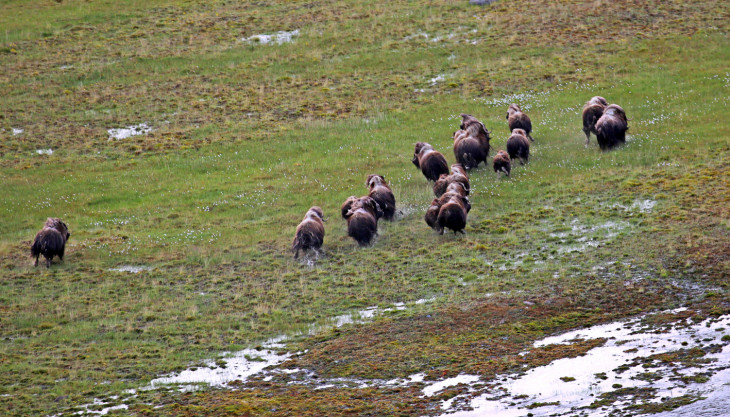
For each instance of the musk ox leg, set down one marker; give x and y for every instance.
(48, 262)
(462, 231)
(36, 261)
(296, 254)
(588, 137)
(530, 137)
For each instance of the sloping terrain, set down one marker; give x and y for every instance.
(243, 115)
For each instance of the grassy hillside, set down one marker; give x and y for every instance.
(247, 136)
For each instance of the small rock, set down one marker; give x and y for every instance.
(481, 2)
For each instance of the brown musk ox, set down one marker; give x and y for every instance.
(611, 127)
(518, 146)
(310, 232)
(450, 210)
(382, 194)
(458, 174)
(431, 162)
(50, 241)
(592, 111)
(502, 163)
(362, 219)
(516, 119)
(467, 150)
(471, 142)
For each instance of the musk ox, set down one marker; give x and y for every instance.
(468, 151)
(458, 174)
(362, 219)
(592, 111)
(432, 163)
(611, 127)
(50, 241)
(518, 146)
(382, 194)
(474, 129)
(310, 232)
(502, 163)
(450, 210)
(516, 119)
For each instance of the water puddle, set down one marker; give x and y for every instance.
(99, 407)
(637, 367)
(249, 362)
(437, 79)
(129, 131)
(435, 387)
(44, 151)
(131, 269)
(240, 366)
(584, 237)
(278, 38)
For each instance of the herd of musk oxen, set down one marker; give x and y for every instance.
(450, 207)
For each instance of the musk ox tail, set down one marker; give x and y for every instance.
(35, 249)
(305, 240)
(470, 161)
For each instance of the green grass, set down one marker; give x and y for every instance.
(247, 137)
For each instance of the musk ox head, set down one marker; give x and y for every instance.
(597, 100)
(56, 223)
(520, 132)
(347, 205)
(316, 211)
(513, 108)
(420, 146)
(375, 180)
(615, 110)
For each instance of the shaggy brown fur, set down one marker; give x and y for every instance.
(518, 146)
(475, 129)
(432, 163)
(611, 127)
(592, 111)
(362, 220)
(516, 119)
(458, 174)
(450, 210)
(382, 194)
(502, 163)
(467, 150)
(347, 205)
(310, 232)
(50, 241)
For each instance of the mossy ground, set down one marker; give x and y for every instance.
(248, 136)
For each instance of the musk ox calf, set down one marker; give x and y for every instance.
(450, 210)
(518, 146)
(310, 232)
(502, 163)
(516, 119)
(592, 111)
(362, 216)
(458, 174)
(611, 127)
(431, 162)
(50, 241)
(382, 194)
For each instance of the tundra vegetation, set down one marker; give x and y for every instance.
(184, 149)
